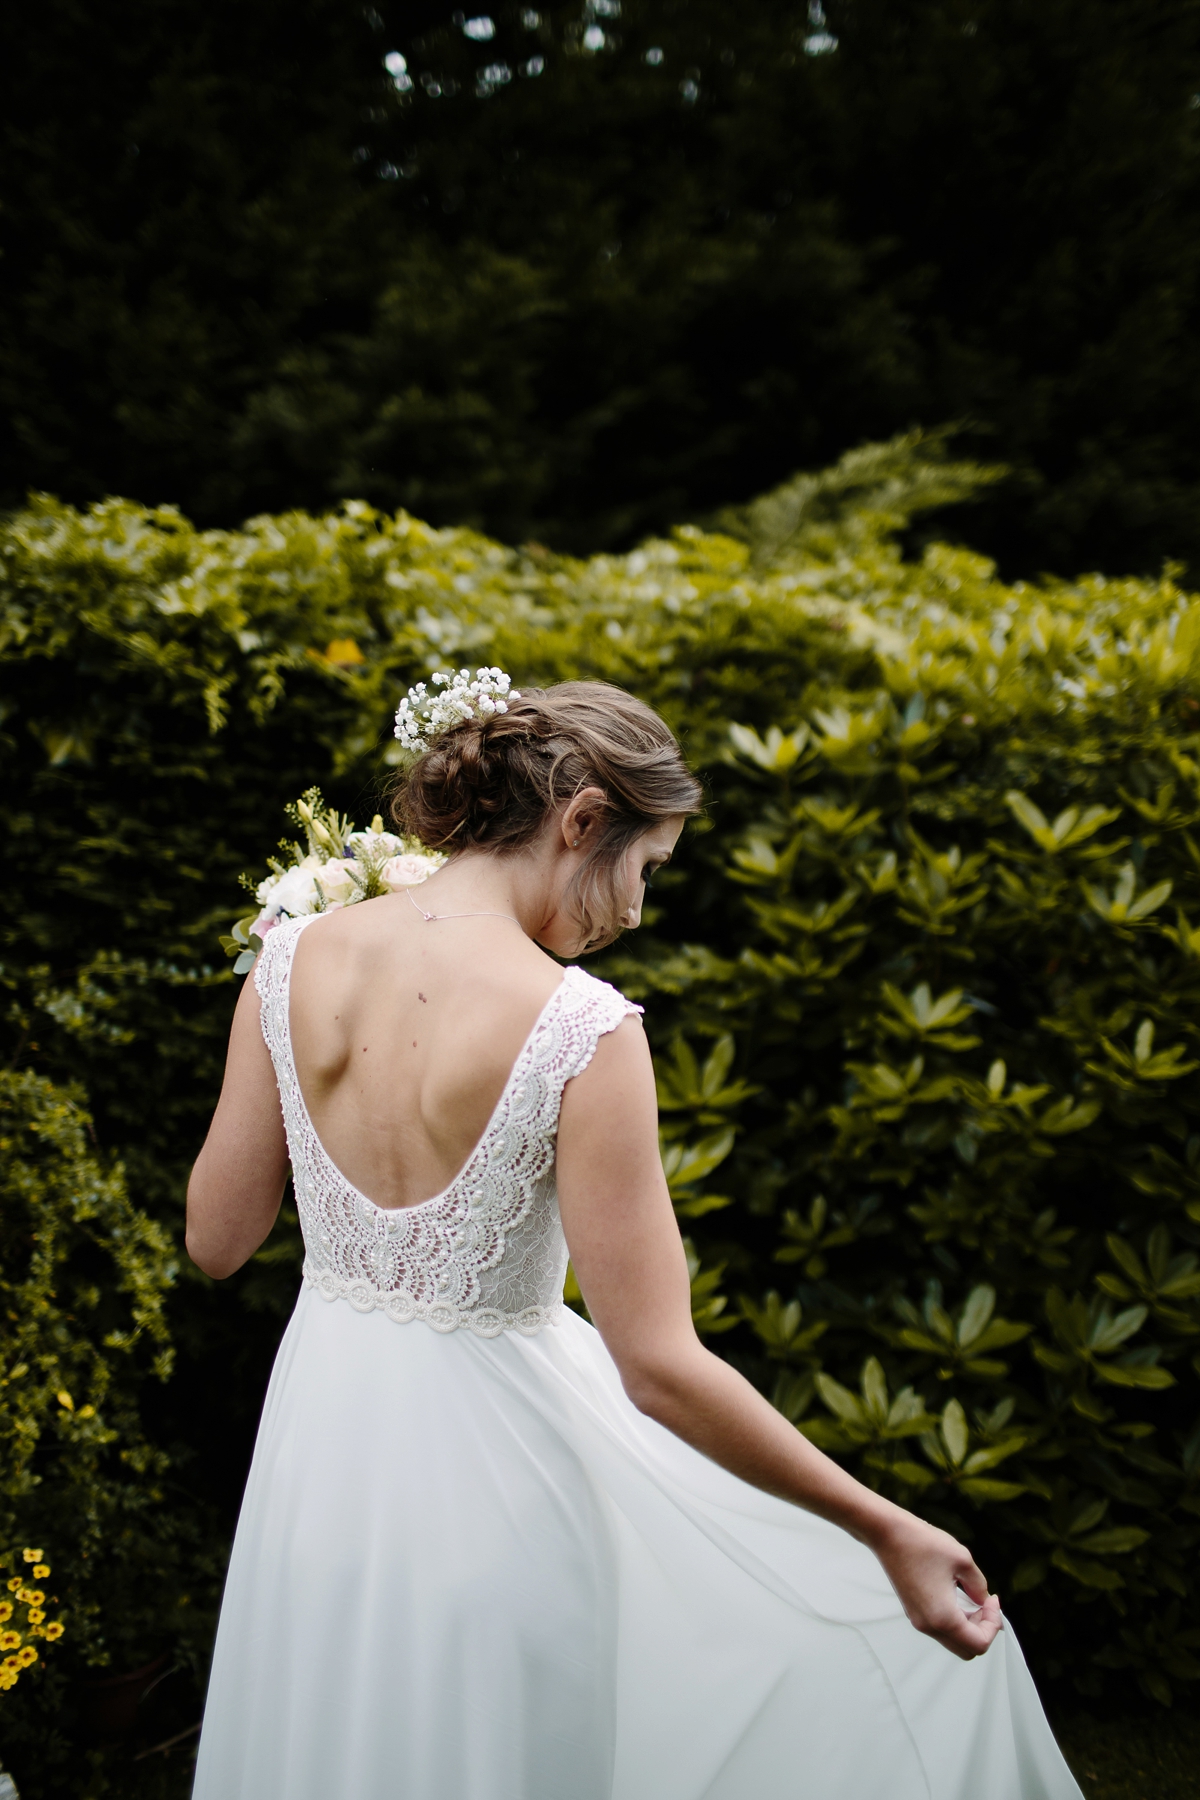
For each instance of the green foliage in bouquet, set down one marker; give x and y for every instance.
(922, 983)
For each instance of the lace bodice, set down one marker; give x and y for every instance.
(488, 1253)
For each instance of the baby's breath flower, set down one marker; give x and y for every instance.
(422, 716)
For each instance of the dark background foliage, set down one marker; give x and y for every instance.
(700, 246)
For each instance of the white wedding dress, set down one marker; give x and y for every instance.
(468, 1569)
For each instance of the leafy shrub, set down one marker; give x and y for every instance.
(962, 992)
(974, 1141)
(83, 1279)
(922, 981)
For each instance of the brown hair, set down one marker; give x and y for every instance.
(493, 783)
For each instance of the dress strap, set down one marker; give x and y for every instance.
(594, 1008)
(272, 980)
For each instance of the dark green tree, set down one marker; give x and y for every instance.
(574, 271)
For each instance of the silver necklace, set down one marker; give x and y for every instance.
(434, 918)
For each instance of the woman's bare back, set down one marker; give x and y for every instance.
(404, 1034)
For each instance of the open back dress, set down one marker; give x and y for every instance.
(467, 1568)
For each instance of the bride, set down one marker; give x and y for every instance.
(488, 1551)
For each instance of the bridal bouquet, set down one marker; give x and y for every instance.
(333, 865)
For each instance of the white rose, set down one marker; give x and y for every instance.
(293, 892)
(368, 845)
(408, 871)
(337, 883)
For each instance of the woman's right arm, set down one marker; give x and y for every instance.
(628, 1258)
(239, 1176)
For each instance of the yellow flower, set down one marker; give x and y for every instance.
(54, 1631)
(32, 1555)
(42, 1572)
(31, 1597)
(26, 1656)
(36, 1616)
(6, 1611)
(17, 1582)
(10, 1640)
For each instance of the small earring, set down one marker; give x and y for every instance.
(575, 844)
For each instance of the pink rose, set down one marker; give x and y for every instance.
(407, 871)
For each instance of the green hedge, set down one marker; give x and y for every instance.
(83, 1281)
(922, 981)
(962, 1011)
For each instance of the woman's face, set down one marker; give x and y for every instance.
(648, 852)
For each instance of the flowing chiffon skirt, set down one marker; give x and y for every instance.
(469, 1569)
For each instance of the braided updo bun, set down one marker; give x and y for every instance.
(494, 783)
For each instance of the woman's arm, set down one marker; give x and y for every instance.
(237, 1184)
(629, 1261)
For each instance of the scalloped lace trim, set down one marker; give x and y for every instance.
(400, 1306)
(487, 1255)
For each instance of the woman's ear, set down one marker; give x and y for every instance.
(581, 817)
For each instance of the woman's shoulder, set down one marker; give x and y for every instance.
(277, 941)
(592, 1014)
(513, 975)
(607, 1003)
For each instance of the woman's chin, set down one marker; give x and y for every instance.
(561, 941)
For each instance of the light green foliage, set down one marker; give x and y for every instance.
(704, 1093)
(83, 1282)
(923, 983)
(960, 1343)
(84, 1277)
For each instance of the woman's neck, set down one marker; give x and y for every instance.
(521, 886)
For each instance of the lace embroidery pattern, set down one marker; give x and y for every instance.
(488, 1254)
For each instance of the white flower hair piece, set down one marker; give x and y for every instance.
(422, 716)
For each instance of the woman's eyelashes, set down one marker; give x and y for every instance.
(648, 873)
